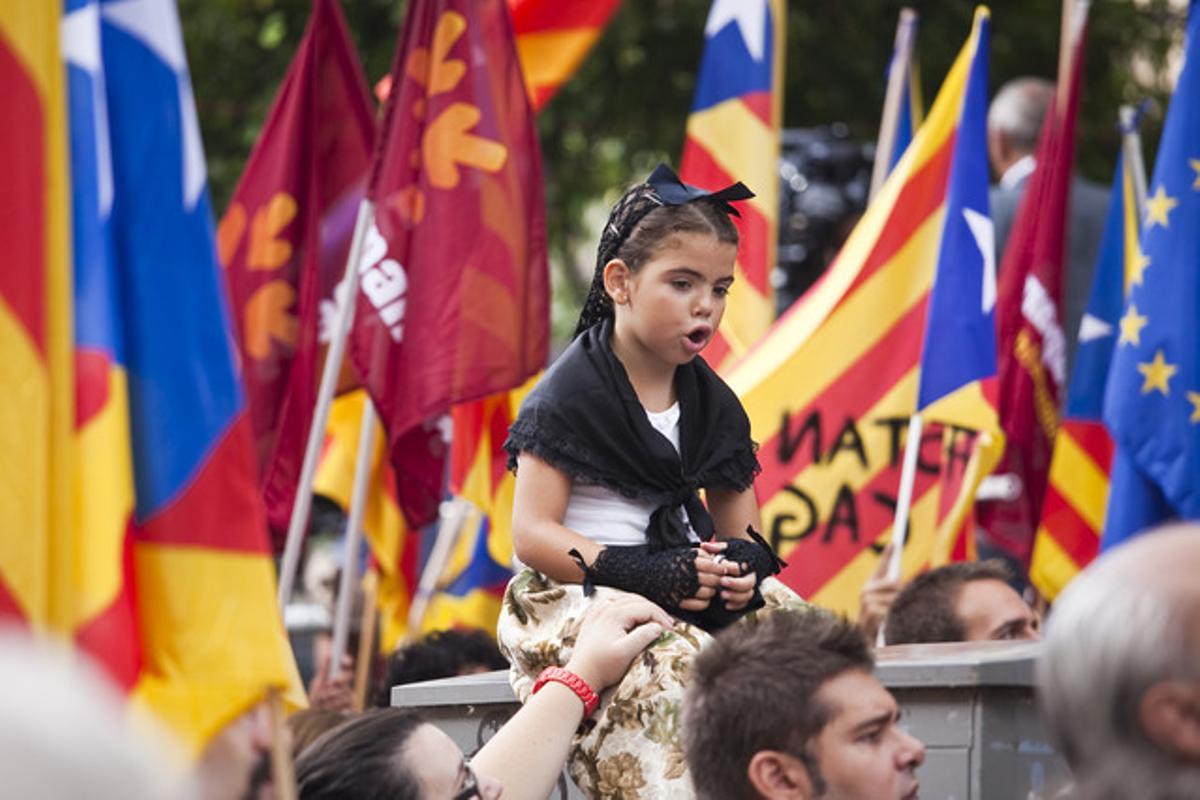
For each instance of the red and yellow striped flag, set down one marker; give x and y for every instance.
(732, 135)
(831, 388)
(394, 548)
(552, 38)
(1068, 537)
(37, 409)
(142, 537)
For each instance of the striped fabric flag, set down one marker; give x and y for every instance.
(1152, 400)
(831, 388)
(395, 547)
(479, 568)
(37, 406)
(732, 135)
(553, 37)
(163, 570)
(1068, 537)
(1032, 342)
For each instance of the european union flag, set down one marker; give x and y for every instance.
(960, 332)
(1152, 402)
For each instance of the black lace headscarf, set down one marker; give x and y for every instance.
(643, 218)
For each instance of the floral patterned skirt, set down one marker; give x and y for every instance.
(630, 749)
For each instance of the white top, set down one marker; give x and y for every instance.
(607, 517)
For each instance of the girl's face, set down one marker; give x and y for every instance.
(671, 307)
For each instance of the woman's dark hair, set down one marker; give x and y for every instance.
(361, 759)
(637, 227)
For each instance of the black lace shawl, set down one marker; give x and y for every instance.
(584, 419)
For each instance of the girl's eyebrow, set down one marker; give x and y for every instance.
(691, 273)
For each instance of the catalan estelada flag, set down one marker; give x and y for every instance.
(733, 135)
(552, 38)
(831, 388)
(1152, 400)
(1068, 537)
(163, 569)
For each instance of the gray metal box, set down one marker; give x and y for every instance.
(972, 704)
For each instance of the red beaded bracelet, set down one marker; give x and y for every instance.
(573, 682)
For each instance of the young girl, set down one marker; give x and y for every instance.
(611, 449)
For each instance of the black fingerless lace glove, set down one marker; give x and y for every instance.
(667, 577)
(755, 556)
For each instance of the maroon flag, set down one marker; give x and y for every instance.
(1032, 342)
(452, 298)
(284, 241)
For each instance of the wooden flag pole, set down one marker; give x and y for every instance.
(897, 75)
(283, 774)
(316, 434)
(354, 530)
(366, 638)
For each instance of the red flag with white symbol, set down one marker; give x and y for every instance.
(285, 237)
(452, 289)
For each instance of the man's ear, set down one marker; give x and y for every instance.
(616, 280)
(1170, 716)
(779, 776)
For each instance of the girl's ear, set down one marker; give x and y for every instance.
(616, 281)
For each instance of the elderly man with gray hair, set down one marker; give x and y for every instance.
(1120, 674)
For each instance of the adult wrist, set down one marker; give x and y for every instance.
(582, 689)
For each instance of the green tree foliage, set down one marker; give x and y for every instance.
(627, 106)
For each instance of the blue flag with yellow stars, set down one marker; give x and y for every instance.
(1152, 401)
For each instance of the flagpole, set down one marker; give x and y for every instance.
(1131, 142)
(366, 638)
(448, 532)
(1074, 16)
(908, 475)
(336, 352)
(358, 504)
(897, 75)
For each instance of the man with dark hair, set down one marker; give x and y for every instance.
(788, 708)
(969, 601)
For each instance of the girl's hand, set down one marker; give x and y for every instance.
(737, 589)
(709, 573)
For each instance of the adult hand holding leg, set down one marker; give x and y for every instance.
(528, 753)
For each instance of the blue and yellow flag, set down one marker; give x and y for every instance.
(960, 329)
(1152, 402)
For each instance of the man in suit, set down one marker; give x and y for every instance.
(1014, 124)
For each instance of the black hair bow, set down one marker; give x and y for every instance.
(674, 192)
